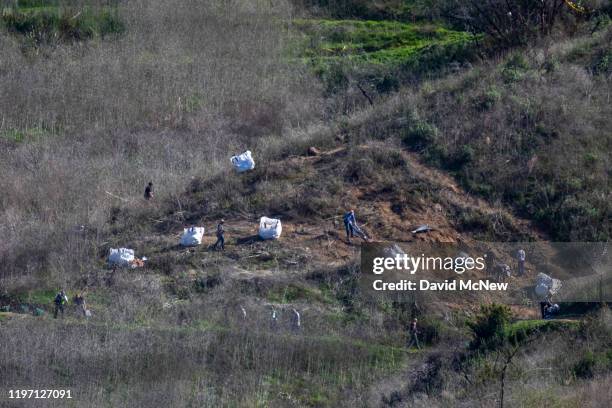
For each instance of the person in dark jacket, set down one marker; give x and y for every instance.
(148, 194)
(544, 306)
(349, 224)
(60, 300)
(79, 300)
(413, 334)
(220, 236)
(520, 255)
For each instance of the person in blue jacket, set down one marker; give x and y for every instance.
(351, 227)
(349, 224)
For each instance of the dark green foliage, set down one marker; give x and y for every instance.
(489, 326)
(514, 69)
(420, 136)
(584, 368)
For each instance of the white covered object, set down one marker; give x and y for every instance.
(121, 257)
(545, 285)
(270, 228)
(192, 236)
(541, 290)
(243, 162)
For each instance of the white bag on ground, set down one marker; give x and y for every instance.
(270, 228)
(243, 162)
(192, 236)
(122, 257)
(545, 285)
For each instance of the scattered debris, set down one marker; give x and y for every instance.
(124, 258)
(313, 151)
(422, 229)
(243, 162)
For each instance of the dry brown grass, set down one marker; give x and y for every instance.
(184, 88)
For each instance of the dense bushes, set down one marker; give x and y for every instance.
(489, 326)
(510, 23)
(515, 141)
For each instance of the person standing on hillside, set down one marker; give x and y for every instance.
(274, 320)
(351, 227)
(79, 300)
(148, 194)
(220, 236)
(521, 261)
(296, 321)
(349, 224)
(60, 300)
(413, 334)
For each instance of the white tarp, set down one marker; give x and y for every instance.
(121, 257)
(270, 228)
(243, 162)
(545, 285)
(192, 236)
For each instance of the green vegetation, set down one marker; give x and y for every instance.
(502, 131)
(591, 363)
(524, 328)
(382, 52)
(45, 20)
(37, 297)
(489, 326)
(380, 42)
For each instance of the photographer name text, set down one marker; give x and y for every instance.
(423, 284)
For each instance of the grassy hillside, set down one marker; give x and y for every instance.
(512, 146)
(529, 129)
